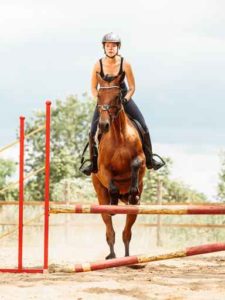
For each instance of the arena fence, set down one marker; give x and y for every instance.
(98, 209)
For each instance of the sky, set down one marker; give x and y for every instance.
(176, 49)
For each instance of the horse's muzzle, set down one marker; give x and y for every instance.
(104, 127)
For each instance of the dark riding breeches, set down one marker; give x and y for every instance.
(130, 108)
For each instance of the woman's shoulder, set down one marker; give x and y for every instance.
(126, 64)
(97, 66)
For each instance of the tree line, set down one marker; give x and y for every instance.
(70, 122)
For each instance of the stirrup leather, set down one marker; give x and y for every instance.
(82, 161)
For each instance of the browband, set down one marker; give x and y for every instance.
(109, 87)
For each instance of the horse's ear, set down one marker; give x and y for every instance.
(118, 79)
(99, 78)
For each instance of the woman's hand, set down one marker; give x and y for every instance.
(124, 101)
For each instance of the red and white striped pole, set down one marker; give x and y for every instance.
(47, 181)
(130, 260)
(139, 209)
(21, 194)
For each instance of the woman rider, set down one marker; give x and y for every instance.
(109, 67)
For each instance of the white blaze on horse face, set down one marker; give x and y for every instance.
(109, 106)
(104, 117)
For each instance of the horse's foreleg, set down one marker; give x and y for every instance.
(134, 193)
(113, 193)
(127, 232)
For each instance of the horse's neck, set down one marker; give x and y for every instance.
(119, 126)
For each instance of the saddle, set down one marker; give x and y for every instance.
(138, 126)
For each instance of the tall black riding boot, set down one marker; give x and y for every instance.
(92, 167)
(151, 163)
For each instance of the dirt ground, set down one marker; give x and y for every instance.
(197, 277)
(190, 278)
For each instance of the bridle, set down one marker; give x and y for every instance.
(107, 107)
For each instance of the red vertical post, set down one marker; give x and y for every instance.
(47, 181)
(21, 194)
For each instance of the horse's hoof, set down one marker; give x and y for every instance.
(110, 256)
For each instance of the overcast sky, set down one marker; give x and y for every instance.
(176, 48)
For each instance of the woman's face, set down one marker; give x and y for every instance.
(111, 48)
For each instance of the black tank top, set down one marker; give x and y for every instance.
(110, 78)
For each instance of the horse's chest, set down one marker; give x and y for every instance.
(116, 157)
(120, 159)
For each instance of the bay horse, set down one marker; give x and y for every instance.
(121, 160)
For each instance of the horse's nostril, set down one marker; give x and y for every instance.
(107, 127)
(104, 127)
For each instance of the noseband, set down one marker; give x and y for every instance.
(107, 107)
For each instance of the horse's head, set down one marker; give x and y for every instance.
(109, 102)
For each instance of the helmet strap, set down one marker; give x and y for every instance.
(111, 57)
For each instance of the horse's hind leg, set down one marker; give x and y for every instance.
(110, 235)
(129, 223)
(134, 194)
(103, 199)
(127, 232)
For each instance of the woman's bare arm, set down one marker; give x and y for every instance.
(94, 81)
(130, 80)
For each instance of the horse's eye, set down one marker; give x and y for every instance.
(112, 110)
